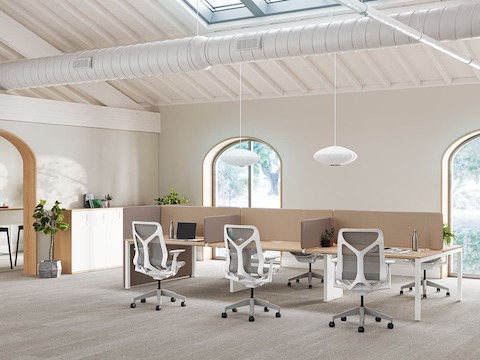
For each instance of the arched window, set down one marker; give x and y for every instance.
(462, 200)
(258, 185)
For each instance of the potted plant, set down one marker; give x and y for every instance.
(106, 200)
(171, 198)
(326, 236)
(49, 222)
(448, 235)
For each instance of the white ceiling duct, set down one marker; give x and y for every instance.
(199, 53)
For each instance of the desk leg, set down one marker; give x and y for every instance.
(126, 265)
(459, 276)
(418, 288)
(194, 261)
(329, 291)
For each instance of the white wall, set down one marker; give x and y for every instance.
(74, 160)
(399, 135)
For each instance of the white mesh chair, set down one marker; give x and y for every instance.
(245, 264)
(151, 258)
(361, 267)
(428, 265)
(310, 259)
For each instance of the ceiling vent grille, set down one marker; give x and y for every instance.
(82, 63)
(249, 43)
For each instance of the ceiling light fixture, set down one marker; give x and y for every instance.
(239, 156)
(379, 16)
(335, 155)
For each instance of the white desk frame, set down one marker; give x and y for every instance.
(331, 293)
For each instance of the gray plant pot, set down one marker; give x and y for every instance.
(49, 269)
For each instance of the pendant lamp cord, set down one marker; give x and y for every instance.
(240, 103)
(335, 99)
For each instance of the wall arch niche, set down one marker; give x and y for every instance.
(29, 200)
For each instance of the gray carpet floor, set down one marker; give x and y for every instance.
(87, 316)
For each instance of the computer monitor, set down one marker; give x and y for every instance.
(186, 230)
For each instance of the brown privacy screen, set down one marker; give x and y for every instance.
(312, 230)
(195, 214)
(397, 227)
(213, 226)
(280, 224)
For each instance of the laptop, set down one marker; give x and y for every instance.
(186, 230)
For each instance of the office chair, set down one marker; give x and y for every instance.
(310, 259)
(245, 264)
(428, 265)
(5, 229)
(151, 258)
(361, 267)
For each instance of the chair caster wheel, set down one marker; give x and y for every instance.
(401, 292)
(289, 284)
(182, 304)
(448, 293)
(309, 286)
(234, 310)
(158, 308)
(361, 329)
(424, 296)
(390, 325)
(438, 290)
(224, 315)
(266, 309)
(343, 318)
(377, 319)
(251, 318)
(278, 314)
(173, 299)
(410, 289)
(321, 281)
(331, 324)
(133, 305)
(143, 300)
(297, 281)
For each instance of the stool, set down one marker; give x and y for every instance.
(20, 227)
(5, 229)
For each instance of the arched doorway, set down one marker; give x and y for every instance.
(29, 200)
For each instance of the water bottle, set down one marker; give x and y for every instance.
(170, 230)
(414, 240)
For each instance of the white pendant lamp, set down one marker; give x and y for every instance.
(238, 156)
(335, 155)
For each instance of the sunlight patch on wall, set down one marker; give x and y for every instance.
(60, 178)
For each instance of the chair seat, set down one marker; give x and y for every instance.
(306, 257)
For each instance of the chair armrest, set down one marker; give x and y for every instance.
(389, 261)
(271, 258)
(175, 254)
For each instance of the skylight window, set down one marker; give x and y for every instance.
(217, 11)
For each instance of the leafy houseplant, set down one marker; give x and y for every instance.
(106, 200)
(171, 198)
(448, 235)
(326, 236)
(49, 222)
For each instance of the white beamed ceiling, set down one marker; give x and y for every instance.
(37, 28)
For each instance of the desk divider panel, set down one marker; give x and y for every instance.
(312, 230)
(280, 224)
(187, 213)
(397, 227)
(213, 226)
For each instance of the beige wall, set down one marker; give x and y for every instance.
(399, 135)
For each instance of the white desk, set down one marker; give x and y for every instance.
(418, 256)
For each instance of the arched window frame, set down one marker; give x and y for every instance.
(446, 184)
(209, 167)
